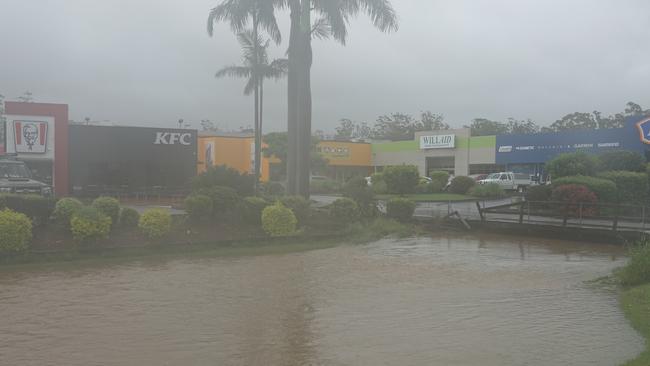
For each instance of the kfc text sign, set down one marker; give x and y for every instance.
(30, 136)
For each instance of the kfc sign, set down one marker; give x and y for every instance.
(173, 138)
(30, 137)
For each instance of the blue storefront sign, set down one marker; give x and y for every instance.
(539, 148)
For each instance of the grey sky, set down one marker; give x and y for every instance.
(150, 62)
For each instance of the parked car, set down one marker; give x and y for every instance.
(479, 177)
(509, 181)
(15, 177)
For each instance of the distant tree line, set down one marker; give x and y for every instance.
(401, 126)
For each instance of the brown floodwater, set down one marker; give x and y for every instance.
(427, 301)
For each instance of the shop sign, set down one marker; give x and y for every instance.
(30, 137)
(173, 138)
(335, 151)
(438, 142)
(644, 130)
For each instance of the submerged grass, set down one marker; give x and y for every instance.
(636, 305)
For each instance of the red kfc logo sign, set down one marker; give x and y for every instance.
(30, 136)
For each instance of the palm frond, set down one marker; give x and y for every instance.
(250, 86)
(234, 71)
(381, 13)
(321, 29)
(236, 12)
(336, 15)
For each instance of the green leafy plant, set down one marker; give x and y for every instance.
(358, 190)
(344, 211)
(225, 201)
(273, 188)
(631, 187)
(64, 209)
(15, 231)
(223, 176)
(570, 164)
(109, 206)
(539, 193)
(440, 178)
(637, 269)
(37, 208)
(129, 218)
(198, 207)
(252, 208)
(604, 189)
(490, 190)
(278, 220)
(89, 224)
(300, 207)
(327, 186)
(461, 185)
(401, 179)
(155, 223)
(400, 209)
(621, 160)
(577, 200)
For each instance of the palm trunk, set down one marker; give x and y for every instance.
(258, 152)
(292, 100)
(304, 100)
(256, 163)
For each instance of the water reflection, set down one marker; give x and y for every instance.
(431, 301)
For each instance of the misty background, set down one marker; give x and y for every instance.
(151, 62)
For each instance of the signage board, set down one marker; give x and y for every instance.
(437, 142)
(30, 137)
(335, 151)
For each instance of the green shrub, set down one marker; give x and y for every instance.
(324, 186)
(631, 187)
(273, 188)
(400, 209)
(604, 189)
(621, 160)
(440, 178)
(252, 208)
(89, 224)
(155, 223)
(380, 187)
(129, 218)
(109, 206)
(377, 178)
(490, 190)
(300, 207)
(358, 190)
(570, 164)
(15, 231)
(344, 211)
(37, 208)
(64, 209)
(198, 207)
(637, 270)
(401, 179)
(225, 200)
(539, 193)
(223, 176)
(278, 220)
(461, 185)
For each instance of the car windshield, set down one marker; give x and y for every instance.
(494, 176)
(14, 171)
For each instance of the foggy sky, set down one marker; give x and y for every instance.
(151, 62)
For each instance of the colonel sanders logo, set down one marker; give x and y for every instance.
(30, 136)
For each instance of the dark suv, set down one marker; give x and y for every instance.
(15, 177)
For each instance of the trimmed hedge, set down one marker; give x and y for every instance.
(224, 176)
(37, 208)
(15, 231)
(278, 220)
(155, 223)
(252, 208)
(109, 206)
(400, 209)
(631, 187)
(539, 193)
(575, 196)
(344, 211)
(129, 218)
(401, 179)
(299, 205)
(604, 189)
(198, 207)
(440, 178)
(490, 190)
(89, 224)
(621, 160)
(461, 185)
(225, 200)
(64, 210)
(363, 195)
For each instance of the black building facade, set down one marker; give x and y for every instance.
(107, 159)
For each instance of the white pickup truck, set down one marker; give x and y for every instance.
(509, 181)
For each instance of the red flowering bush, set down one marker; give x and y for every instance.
(572, 196)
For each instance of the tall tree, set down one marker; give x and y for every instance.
(432, 122)
(486, 127)
(575, 121)
(331, 20)
(516, 126)
(345, 130)
(395, 127)
(261, 13)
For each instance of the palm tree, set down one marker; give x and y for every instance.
(261, 13)
(331, 21)
(256, 68)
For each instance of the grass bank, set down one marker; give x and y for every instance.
(635, 302)
(430, 197)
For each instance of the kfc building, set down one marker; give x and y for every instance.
(37, 133)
